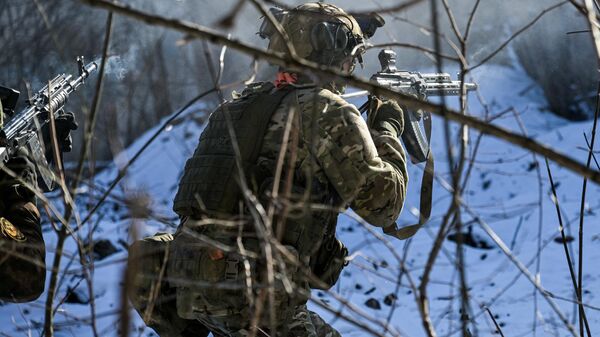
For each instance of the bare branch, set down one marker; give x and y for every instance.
(453, 23)
(412, 46)
(396, 8)
(471, 17)
(517, 33)
(498, 328)
(581, 215)
(564, 243)
(521, 267)
(91, 122)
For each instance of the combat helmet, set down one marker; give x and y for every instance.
(322, 33)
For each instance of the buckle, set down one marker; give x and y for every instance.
(231, 268)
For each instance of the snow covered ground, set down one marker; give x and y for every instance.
(503, 189)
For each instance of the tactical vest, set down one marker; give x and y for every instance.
(210, 182)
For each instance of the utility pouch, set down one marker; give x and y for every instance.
(328, 262)
(149, 291)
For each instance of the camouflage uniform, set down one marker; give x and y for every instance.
(22, 249)
(217, 264)
(364, 169)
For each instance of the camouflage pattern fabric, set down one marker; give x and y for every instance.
(308, 323)
(212, 286)
(224, 289)
(149, 292)
(22, 249)
(366, 168)
(322, 329)
(209, 292)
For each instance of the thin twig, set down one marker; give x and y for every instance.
(453, 23)
(392, 9)
(498, 328)
(564, 242)
(412, 46)
(91, 122)
(470, 21)
(581, 215)
(593, 26)
(278, 27)
(521, 267)
(517, 33)
(540, 219)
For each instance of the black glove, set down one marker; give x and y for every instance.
(65, 122)
(386, 116)
(18, 188)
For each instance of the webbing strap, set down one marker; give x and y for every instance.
(426, 192)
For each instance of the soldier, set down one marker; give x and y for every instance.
(260, 196)
(22, 249)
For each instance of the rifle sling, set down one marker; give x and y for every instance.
(426, 191)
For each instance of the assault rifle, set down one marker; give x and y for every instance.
(25, 128)
(417, 144)
(413, 83)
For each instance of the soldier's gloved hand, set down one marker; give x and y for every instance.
(65, 123)
(18, 188)
(386, 116)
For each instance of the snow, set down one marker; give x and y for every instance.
(503, 190)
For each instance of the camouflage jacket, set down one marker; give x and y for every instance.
(367, 169)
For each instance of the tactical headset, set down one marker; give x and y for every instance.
(331, 37)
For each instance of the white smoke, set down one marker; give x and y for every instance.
(118, 66)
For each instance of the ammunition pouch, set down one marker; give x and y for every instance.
(149, 291)
(213, 285)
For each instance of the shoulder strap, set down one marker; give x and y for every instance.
(263, 109)
(426, 192)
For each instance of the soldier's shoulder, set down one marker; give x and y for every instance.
(323, 96)
(241, 99)
(253, 89)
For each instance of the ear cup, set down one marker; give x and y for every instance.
(329, 36)
(321, 38)
(341, 37)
